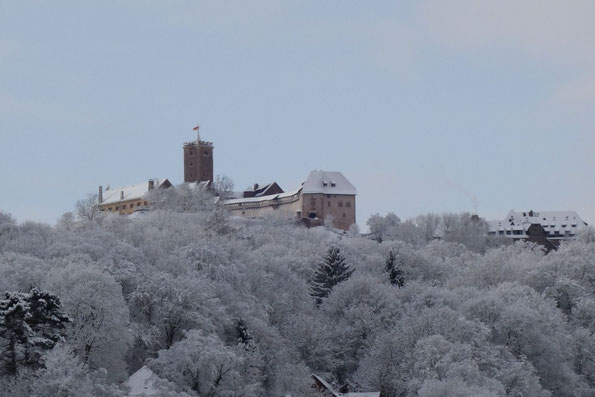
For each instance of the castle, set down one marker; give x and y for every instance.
(325, 196)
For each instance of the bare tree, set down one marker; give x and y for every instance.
(87, 208)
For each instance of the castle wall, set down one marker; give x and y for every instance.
(284, 207)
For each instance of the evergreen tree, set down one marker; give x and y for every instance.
(243, 336)
(394, 265)
(14, 330)
(329, 273)
(29, 324)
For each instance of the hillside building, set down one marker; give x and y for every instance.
(127, 199)
(324, 196)
(538, 226)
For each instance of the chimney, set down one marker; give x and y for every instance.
(100, 196)
(121, 195)
(151, 184)
(255, 186)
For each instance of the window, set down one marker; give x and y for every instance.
(328, 196)
(508, 232)
(343, 215)
(340, 204)
(191, 164)
(206, 153)
(131, 205)
(117, 208)
(348, 204)
(139, 204)
(190, 153)
(501, 233)
(124, 207)
(328, 203)
(109, 209)
(145, 203)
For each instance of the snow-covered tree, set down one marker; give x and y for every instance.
(99, 329)
(394, 269)
(329, 273)
(30, 323)
(201, 363)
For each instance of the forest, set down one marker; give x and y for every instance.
(223, 306)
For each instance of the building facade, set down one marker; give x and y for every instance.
(127, 199)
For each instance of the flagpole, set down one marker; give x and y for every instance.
(197, 128)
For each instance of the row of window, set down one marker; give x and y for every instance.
(339, 204)
(125, 206)
(520, 232)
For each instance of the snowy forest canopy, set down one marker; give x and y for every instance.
(221, 306)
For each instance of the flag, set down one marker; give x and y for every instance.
(195, 128)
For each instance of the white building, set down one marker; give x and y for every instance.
(557, 225)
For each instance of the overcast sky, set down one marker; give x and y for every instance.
(425, 106)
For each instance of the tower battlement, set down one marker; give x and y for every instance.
(201, 143)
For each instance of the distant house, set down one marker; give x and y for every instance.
(127, 199)
(324, 196)
(544, 227)
(326, 390)
(142, 383)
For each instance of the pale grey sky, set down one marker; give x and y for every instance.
(425, 106)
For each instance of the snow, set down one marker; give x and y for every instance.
(365, 394)
(131, 192)
(328, 182)
(141, 382)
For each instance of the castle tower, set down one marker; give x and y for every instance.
(198, 161)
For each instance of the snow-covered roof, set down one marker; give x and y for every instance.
(328, 182)
(132, 192)
(551, 221)
(141, 383)
(326, 385)
(199, 186)
(261, 198)
(263, 190)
